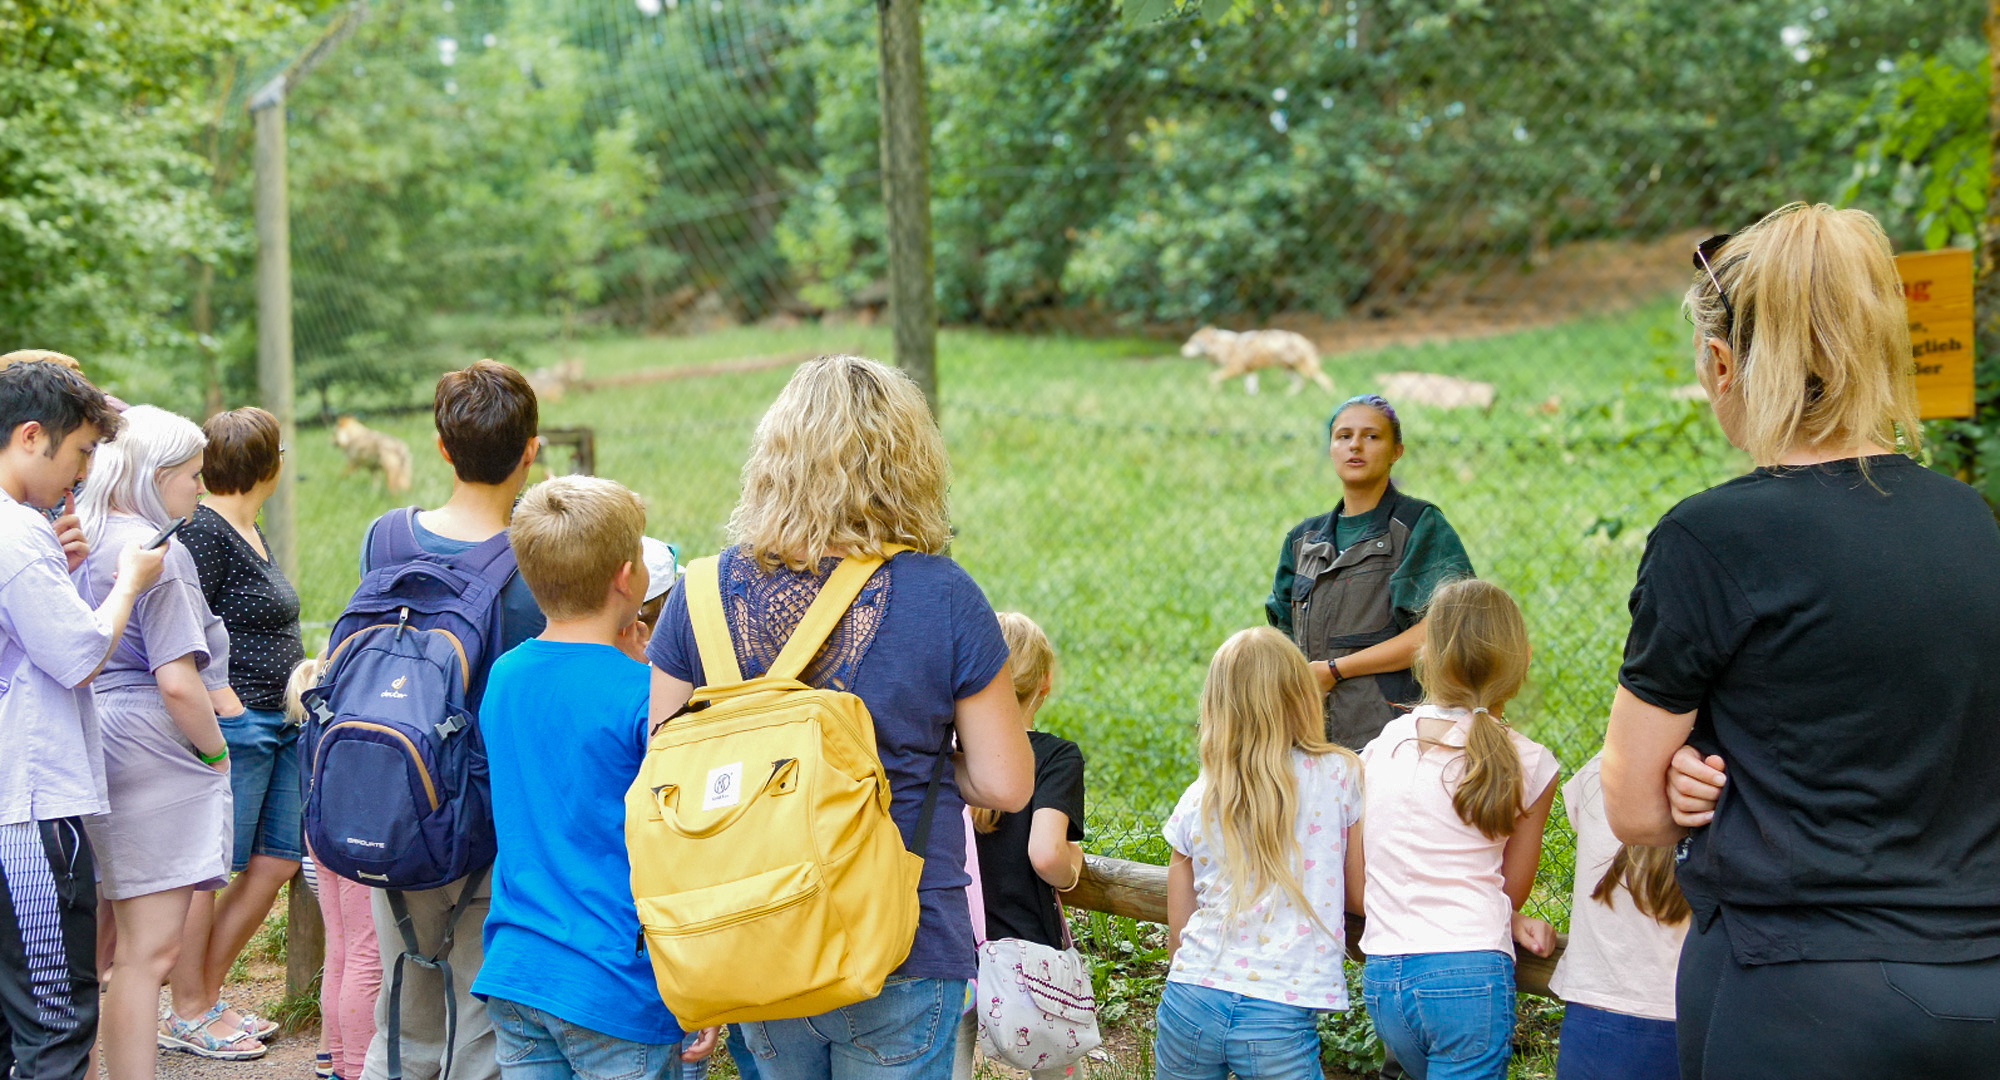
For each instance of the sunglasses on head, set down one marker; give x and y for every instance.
(1704, 254)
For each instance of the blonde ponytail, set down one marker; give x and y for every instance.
(1475, 656)
(1259, 703)
(1033, 661)
(1821, 333)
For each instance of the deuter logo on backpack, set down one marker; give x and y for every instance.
(395, 773)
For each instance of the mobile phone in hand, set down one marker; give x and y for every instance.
(160, 538)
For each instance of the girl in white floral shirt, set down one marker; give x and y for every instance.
(1256, 888)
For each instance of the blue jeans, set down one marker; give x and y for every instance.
(739, 1052)
(530, 1044)
(264, 779)
(1446, 1016)
(1598, 1044)
(1205, 1034)
(906, 1033)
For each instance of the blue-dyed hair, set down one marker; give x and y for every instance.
(1374, 401)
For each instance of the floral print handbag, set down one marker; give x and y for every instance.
(1036, 1006)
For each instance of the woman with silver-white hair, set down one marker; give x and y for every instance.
(166, 763)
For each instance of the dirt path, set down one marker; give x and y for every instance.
(291, 1053)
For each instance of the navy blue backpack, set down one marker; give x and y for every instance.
(395, 783)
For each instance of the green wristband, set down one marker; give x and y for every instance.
(220, 755)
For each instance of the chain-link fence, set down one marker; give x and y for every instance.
(1500, 194)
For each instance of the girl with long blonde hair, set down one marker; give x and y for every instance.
(1458, 800)
(1256, 892)
(1626, 923)
(1820, 631)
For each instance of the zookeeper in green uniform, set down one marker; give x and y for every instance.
(1352, 583)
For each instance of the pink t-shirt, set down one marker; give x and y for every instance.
(1434, 883)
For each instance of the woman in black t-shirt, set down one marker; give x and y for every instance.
(259, 608)
(1822, 631)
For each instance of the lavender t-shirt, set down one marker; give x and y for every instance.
(169, 621)
(51, 758)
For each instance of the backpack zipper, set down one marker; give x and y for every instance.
(723, 921)
(464, 666)
(430, 789)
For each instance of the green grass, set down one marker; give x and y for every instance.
(1104, 489)
(1137, 514)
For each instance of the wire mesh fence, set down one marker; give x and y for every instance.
(1501, 194)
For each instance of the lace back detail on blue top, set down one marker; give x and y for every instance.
(763, 610)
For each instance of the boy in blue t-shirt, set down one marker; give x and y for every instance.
(564, 721)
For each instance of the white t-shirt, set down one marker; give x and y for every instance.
(1270, 951)
(1435, 883)
(1618, 958)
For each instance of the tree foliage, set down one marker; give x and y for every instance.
(1926, 143)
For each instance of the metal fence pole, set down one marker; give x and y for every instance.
(274, 311)
(906, 192)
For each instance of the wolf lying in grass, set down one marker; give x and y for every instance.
(1243, 354)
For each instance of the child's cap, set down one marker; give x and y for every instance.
(663, 565)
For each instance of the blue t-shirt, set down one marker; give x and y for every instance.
(520, 617)
(920, 637)
(565, 729)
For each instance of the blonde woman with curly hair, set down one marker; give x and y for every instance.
(1822, 631)
(847, 461)
(1256, 890)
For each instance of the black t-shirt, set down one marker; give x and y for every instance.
(258, 607)
(1838, 636)
(1019, 904)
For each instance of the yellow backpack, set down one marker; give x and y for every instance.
(770, 880)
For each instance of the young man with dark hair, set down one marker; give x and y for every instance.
(51, 759)
(486, 417)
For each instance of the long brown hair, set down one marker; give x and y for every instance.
(1033, 661)
(1648, 874)
(1475, 656)
(1260, 703)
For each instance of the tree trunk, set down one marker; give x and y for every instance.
(906, 192)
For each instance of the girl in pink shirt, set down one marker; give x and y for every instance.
(1458, 800)
(1255, 888)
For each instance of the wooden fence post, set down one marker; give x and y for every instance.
(1139, 891)
(906, 192)
(305, 938)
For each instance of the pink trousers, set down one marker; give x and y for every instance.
(353, 973)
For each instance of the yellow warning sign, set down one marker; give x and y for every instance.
(1938, 287)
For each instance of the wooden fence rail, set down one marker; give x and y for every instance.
(1139, 891)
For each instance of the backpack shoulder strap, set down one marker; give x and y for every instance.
(491, 559)
(392, 539)
(819, 621)
(703, 585)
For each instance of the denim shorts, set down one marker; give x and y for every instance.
(1446, 1016)
(907, 1032)
(530, 1044)
(1205, 1033)
(264, 779)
